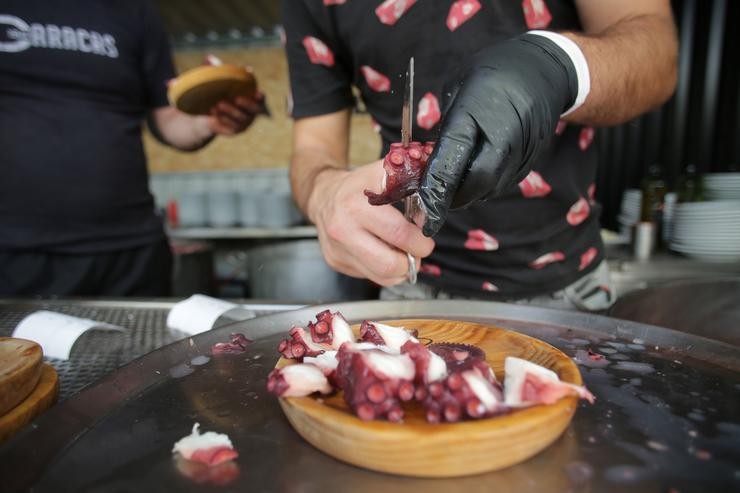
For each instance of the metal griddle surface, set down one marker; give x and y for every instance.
(667, 415)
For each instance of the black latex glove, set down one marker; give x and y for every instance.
(499, 118)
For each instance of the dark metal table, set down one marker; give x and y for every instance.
(667, 415)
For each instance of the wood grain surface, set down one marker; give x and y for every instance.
(198, 90)
(42, 397)
(20, 369)
(417, 448)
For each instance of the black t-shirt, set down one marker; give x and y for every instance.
(536, 238)
(77, 77)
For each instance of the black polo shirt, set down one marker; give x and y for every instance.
(77, 77)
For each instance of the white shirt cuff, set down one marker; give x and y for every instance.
(579, 62)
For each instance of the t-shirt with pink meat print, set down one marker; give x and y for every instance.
(536, 238)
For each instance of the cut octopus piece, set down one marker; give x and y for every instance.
(458, 356)
(430, 367)
(298, 380)
(386, 335)
(462, 395)
(237, 344)
(219, 475)
(528, 384)
(299, 344)
(330, 328)
(209, 448)
(375, 382)
(403, 167)
(326, 362)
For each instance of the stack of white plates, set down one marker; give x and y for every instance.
(629, 213)
(722, 186)
(708, 231)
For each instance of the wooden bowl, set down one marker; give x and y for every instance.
(200, 89)
(40, 399)
(20, 370)
(417, 448)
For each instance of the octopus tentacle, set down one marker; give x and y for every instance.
(403, 167)
(299, 344)
(298, 380)
(375, 383)
(386, 335)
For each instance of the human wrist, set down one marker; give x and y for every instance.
(320, 188)
(203, 131)
(578, 61)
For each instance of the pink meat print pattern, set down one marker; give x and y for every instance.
(428, 113)
(480, 240)
(578, 212)
(587, 257)
(391, 10)
(560, 127)
(585, 138)
(334, 2)
(547, 259)
(533, 185)
(431, 269)
(318, 52)
(592, 193)
(460, 12)
(536, 14)
(375, 80)
(489, 286)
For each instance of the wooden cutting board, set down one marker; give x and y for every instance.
(20, 369)
(198, 90)
(42, 397)
(418, 448)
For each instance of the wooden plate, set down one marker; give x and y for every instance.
(417, 448)
(42, 397)
(20, 369)
(198, 90)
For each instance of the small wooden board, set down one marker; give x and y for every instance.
(20, 369)
(200, 89)
(42, 397)
(418, 448)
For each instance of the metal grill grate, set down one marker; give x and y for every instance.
(97, 353)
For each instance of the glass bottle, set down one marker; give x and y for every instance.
(653, 196)
(690, 186)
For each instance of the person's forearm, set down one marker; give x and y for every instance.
(182, 131)
(633, 68)
(307, 168)
(320, 148)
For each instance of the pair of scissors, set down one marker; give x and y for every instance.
(412, 203)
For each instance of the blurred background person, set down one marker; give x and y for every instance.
(77, 80)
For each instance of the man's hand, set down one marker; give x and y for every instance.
(230, 118)
(499, 119)
(503, 115)
(356, 238)
(189, 133)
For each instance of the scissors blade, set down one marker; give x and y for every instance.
(408, 100)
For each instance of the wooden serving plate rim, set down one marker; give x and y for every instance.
(194, 77)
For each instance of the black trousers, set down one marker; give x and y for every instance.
(140, 271)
